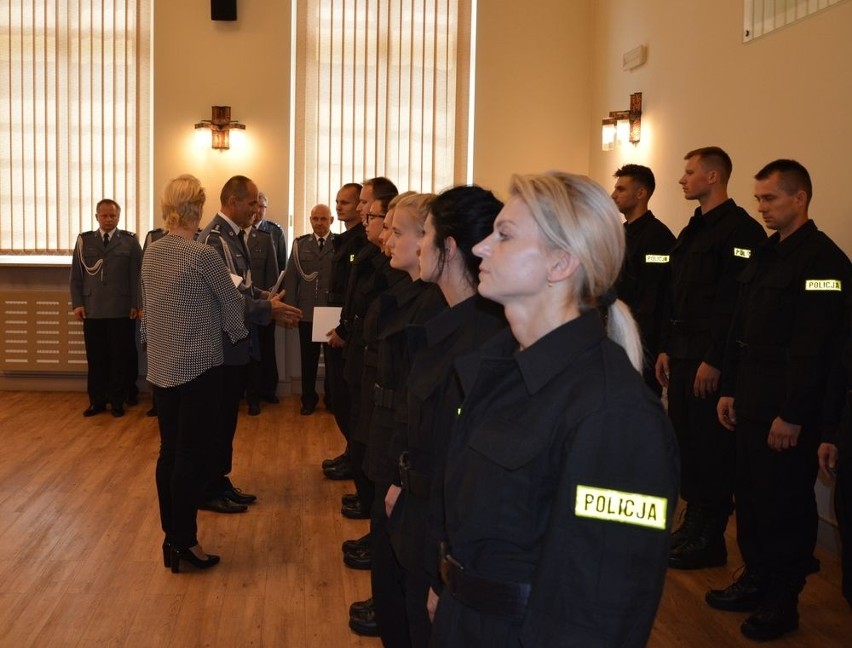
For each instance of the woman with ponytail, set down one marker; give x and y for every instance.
(562, 473)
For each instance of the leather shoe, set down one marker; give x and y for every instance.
(743, 595)
(253, 409)
(361, 608)
(271, 398)
(131, 400)
(770, 622)
(350, 499)
(117, 411)
(356, 512)
(366, 625)
(699, 553)
(152, 411)
(354, 545)
(93, 410)
(339, 459)
(307, 411)
(222, 505)
(359, 559)
(237, 496)
(339, 472)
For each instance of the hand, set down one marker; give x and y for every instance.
(706, 381)
(783, 435)
(134, 313)
(725, 412)
(141, 313)
(334, 340)
(661, 369)
(827, 455)
(431, 604)
(80, 313)
(391, 497)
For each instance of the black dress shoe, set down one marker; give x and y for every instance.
(339, 459)
(237, 496)
(117, 411)
(93, 410)
(339, 472)
(366, 625)
(350, 499)
(770, 621)
(698, 553)
(132, 400)
(271, 399)
(359, 559)
(355, 512)
(360, 608)
(356, 545)
(743, 595)
(307, 411)
(253, 409)
(222, 505)
(152, 411)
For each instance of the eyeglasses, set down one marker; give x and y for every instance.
(371, 216)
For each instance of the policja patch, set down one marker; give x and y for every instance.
(620, 506)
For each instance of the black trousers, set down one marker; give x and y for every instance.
(707, 450)
(309, 357)
(262, 381)
(107, 351)
(186, 421)
(225, 428)
(843, 511)
(132, 365)
(338, 391)
(776, 505)
(387, 578)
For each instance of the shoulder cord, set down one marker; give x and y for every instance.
(91, 270)
(229, 260)
(305, 277)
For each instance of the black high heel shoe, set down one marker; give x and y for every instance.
(167, 554)
(177, 554)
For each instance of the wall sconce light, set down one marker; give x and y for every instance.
(623, 125)
(220, 126)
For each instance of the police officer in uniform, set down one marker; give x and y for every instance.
(562, 470)
(787, 328)
(644, 278)
(709, 254)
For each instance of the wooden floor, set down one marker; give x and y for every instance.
(80, 560)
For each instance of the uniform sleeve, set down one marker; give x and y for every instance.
(653, 287)
(605, 552)
(735, 252)
(817, 335)
(76, 279)
(230, 300)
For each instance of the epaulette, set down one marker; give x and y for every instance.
(303, 237)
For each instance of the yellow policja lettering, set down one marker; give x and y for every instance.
(742, 252)
(656, 258)
(620, 506)
(823, 284)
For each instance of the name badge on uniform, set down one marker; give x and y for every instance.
(742, 252)
(823, 284)
(656, 258)
(620, 506)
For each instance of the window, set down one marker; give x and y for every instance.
(381, 89)
(74, 121)
(763, 16)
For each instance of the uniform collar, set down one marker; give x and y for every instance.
(234, 227)
(791, 243)
(640, 223)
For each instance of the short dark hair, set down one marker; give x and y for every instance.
(107, 201)
(715, 158)
(353, 185)
(642, 175)
(236, 186)
(792, 177)
(382, 188)
(465, 213)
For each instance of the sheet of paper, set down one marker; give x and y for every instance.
(237, 279)
(277, 287)
(325, 319)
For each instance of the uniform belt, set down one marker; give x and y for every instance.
(413, 482)
(482, 594)
(383, 397)
(762, 352)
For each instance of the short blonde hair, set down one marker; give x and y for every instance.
(416, 204)
(576, 215)
(183, 202)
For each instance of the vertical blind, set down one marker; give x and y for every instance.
(74, 121)
(761, 17)
(381, 89)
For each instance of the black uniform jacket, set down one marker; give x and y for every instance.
(417, 303)
(434, 396)
(787, 327)
(709, 255)
(346, 247)
(563, 473)
(644, 277)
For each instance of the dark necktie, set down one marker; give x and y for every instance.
(243, 242)
(320, 242)
(106, 240)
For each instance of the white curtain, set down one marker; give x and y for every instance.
(381, 89)
(74, 119)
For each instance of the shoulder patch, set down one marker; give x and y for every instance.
(742, 252)
(656, 258)
(823, 284)
(620, 506)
